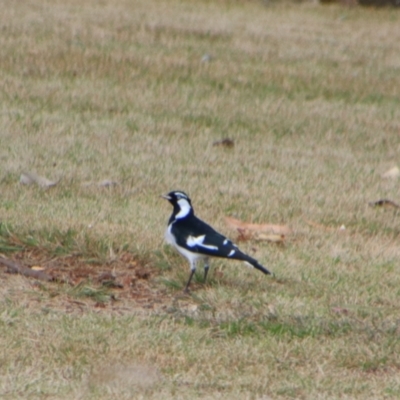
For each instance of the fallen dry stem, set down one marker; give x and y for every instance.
(16, 268)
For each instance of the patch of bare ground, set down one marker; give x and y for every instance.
(125, 284)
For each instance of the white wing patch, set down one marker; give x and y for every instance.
(198, 241)
(226, 241)
(231, 253)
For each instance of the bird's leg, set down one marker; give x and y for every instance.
(206, 268)
(193, 270)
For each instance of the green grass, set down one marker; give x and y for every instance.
(117, 90)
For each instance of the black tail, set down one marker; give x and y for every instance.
(253, 262)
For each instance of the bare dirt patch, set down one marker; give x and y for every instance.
(124, 284)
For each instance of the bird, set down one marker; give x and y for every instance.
(196, 240)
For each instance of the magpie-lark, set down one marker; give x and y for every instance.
(197, 240)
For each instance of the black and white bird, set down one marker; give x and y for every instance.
(196, 240)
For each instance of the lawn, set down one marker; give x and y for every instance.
(118, 102)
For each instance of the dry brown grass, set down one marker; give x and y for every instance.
(117, 90)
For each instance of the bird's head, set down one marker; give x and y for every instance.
(181, 203)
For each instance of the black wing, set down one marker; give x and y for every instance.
(199, 237)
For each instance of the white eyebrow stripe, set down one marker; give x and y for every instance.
(198, 241)
(183, 195)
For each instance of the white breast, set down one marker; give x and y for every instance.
(169, 238)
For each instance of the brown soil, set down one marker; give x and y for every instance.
(128, 282)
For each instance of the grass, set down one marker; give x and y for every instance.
(118, 90)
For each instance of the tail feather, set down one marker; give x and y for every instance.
(253, 262)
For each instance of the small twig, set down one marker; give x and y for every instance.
(15, 268)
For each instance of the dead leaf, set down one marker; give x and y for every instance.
(38, 268)
(392, 173)
(250, 228)
(226, 142)
(384, 203)
(28, 178)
